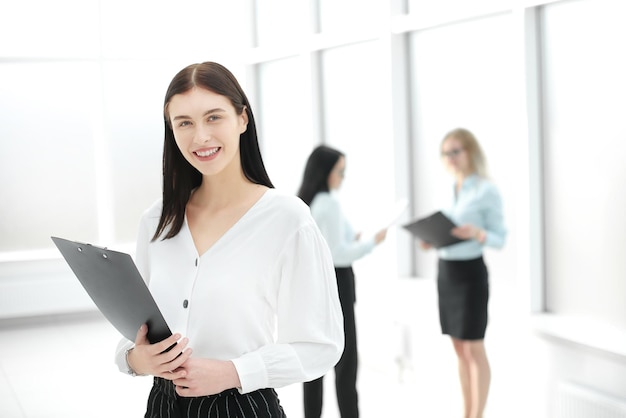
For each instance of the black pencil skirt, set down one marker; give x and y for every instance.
(463, 289)
(164, 402)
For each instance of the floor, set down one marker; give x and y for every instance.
(60, 366)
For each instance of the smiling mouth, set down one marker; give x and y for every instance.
(207, 153)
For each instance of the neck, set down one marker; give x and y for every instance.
(224, 190)
(460, 177)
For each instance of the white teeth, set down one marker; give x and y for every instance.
(207, 153)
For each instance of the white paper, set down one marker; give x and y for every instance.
(386, 218)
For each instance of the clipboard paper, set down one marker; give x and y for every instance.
(116, 287)
(434, 229)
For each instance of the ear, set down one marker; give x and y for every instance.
(244, 120)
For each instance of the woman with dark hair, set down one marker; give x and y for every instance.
(323, 175)
(462, 278)
(240, 271)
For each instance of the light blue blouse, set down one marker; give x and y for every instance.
(337, 230)
(478, 202)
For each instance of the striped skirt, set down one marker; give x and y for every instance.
(163, 402)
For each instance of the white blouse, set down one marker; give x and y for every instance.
(263, 296)
(338, 231)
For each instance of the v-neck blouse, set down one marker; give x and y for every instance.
(263, 296)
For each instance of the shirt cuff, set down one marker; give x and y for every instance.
(252, 372)
(120, 356)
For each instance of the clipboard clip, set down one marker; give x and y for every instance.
(80, 249)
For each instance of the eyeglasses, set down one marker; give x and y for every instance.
(452, 153)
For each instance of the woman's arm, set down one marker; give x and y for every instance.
(310, 338)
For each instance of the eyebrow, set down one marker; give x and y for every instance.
(208, 112)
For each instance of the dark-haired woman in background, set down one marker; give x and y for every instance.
(240, 271)
(323, 175)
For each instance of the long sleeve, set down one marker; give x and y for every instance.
(493, 219)
(337, 231)
(309, 320)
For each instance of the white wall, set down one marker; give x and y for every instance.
(585, 174)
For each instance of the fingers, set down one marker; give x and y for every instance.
(380, 236)
(161, 358)
(174, 351)
(425, 245)
(457, 232)
(142, 335)
(169, 343)
(171, 360)
(164, 345)
(464, 231)
(172, 370)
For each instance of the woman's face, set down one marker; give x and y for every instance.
(335, 178)
(455, 157)
(206, 129)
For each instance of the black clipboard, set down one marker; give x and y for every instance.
(115, 285)
(434, 229)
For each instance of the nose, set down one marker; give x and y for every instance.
(202, 135)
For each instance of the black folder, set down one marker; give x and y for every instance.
(434, 229)
(115, 285)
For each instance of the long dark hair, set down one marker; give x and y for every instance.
(180, 177)
(318, 167)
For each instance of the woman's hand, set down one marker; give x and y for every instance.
(469, 231)
(153, 359)
(425, 245)
(380, 236)
(206, 377)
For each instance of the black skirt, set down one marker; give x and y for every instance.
(463, 289)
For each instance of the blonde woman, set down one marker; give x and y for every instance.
(462, 279)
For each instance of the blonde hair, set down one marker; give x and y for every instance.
(469, 143)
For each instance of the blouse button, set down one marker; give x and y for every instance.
(185, 303)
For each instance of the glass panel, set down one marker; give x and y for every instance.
(430, 11)
(192, 30)
(133, 99)
(47, 150)
(357, 122)
(463, 76)
(281, 21)
(284, 121)
(41, 28)
(361, 14)
(584, 158)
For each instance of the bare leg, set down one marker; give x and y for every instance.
(464, 376)
(474, 374)
(480, 373)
